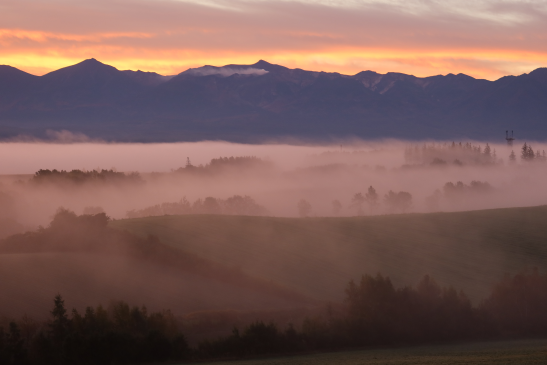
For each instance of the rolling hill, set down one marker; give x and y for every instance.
(318, 256)
(91, 264)
(263, 101)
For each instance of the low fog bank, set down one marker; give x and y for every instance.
(357, 178)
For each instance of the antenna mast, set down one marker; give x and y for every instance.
(509, 139)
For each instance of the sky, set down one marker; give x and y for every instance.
(482, 38)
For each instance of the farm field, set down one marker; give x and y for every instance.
(318, 256)
(525, 352)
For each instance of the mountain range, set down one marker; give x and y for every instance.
(264, 101)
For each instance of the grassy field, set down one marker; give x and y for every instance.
(318, 256)
(525, 352)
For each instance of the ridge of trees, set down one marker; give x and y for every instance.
(81, 176)
(450, 153)
(234, 205)
(374, 313)
(119, 334)
(224, 163)
(527, 154)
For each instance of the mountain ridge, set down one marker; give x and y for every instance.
(264, 101)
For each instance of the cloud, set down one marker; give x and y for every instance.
(345, 36)
(55, 137)
(225, 71)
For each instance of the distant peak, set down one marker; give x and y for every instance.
(90, 61)
(262, 62)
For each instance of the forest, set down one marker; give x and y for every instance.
(374, 312)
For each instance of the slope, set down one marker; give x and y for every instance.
(318, 256)
(30, 281)
(89, 263)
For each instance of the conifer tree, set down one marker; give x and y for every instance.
(60, 322)
(487, 150)
(512, 157)
(371, 197)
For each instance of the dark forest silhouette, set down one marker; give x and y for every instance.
(374, 313)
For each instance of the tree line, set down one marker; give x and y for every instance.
(458, 154)
(81, 176)
(374, 313)
(394, 202)
(225, 163)
(119, 334)
(234, 205)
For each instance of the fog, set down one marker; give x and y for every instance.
(281, 176)
(225, 71)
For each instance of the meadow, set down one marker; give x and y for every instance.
(319, 256)
(483, 353)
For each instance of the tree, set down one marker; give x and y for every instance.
(371, 197)
(336, 207)
(211, 206)
(512, 157)
(15, 350)
(487, 151)
(527, 153)
(304, 208)
(400, 201)
(59, 326)
(357, 203)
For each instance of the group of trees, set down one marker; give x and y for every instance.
(527, 154)
(459, 154)
(81, 176)
(394, 202)
(375, 313)
(456, 192)
(119, 334)
(236, 205)
(450, 153)
(371, 198)
(225, 163)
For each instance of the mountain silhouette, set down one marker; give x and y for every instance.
(264, 101)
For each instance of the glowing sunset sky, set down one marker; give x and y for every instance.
(487, 39)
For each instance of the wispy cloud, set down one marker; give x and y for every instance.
(484, 38)
(225, 71)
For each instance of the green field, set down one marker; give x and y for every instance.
(318, 256)
(526, 352)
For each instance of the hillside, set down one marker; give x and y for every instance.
(29, 282)
(318, 256)
(260, 101)
(91, 264)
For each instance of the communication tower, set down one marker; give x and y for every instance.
(509, 139)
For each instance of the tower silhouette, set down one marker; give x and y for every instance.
(509, 139)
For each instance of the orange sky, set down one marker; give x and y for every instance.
(487, 39)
